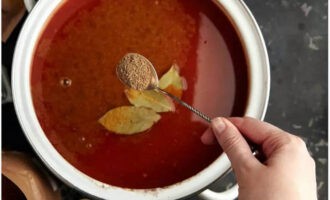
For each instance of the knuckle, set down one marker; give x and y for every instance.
(299, 142)
(312, 162)
(293, 141)
(286, 142)
(230, 142)
(296, 144)
(300, 145)
(278, 141)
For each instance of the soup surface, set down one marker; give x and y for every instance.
(74, 83)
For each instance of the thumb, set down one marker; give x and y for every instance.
(233, 144)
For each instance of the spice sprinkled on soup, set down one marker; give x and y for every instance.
(74, 84)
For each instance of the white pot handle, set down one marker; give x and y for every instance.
(29, 4)
(230, 194)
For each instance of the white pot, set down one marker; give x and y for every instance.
(259, 78)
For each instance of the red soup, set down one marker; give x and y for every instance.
(74, 83)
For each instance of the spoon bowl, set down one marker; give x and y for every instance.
(137, 72)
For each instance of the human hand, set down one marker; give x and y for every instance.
(288, 171)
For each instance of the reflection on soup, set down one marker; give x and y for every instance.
(74, 83)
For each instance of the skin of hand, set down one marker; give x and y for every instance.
(288, 172)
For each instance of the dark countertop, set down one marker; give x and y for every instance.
(295, 32)
(296, 35)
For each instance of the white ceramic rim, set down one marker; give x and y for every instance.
(259, 88)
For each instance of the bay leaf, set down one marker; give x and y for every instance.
(150, 99)
(129, 120)
(171, 77)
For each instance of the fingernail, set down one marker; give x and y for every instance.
(218, 125)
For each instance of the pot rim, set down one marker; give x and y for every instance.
(256, 55)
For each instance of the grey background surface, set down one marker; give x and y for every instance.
(296, 36)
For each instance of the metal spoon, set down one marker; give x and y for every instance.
(153, 82)
(136, 59)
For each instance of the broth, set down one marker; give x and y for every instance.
(74, 83)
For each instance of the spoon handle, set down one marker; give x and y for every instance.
(256, 149)
(194, 110)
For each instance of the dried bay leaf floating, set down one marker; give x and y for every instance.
(129, 119)
(173, 90)
(150, 99)
(172, 82)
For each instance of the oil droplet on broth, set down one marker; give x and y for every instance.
(65, 82)
(145, 175)
(82, 139)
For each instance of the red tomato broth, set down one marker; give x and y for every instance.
(83, 43)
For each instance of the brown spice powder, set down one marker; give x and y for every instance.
(135, 71)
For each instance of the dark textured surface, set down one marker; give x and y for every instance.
(295, 32)
(296, 35)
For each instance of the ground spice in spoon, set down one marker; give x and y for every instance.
(135, 71)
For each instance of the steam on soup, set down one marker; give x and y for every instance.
(74, 83)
